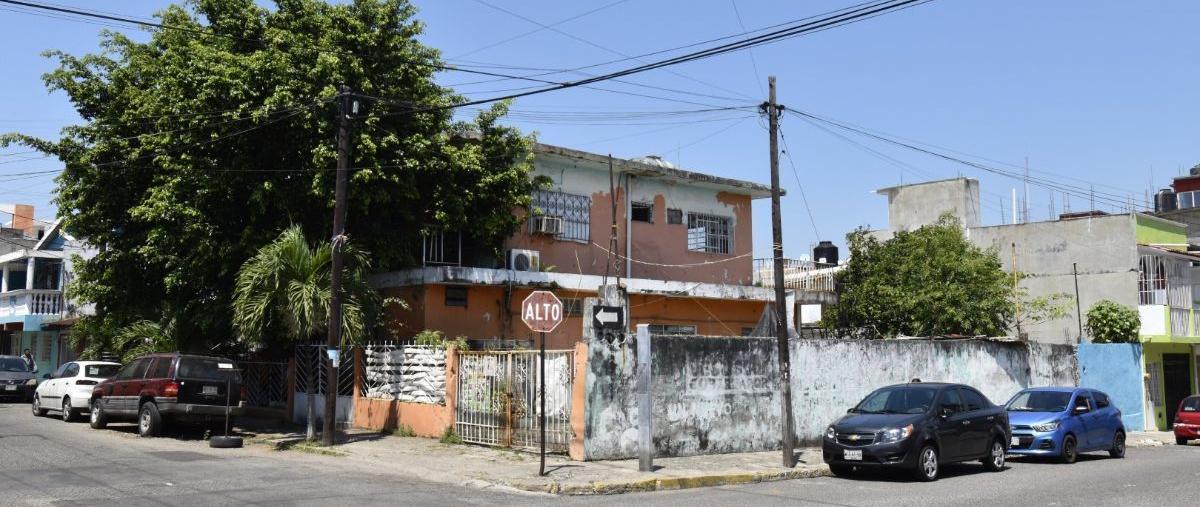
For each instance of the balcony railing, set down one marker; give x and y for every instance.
(797, 274)
(31, 302)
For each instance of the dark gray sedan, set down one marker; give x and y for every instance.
(16, 380)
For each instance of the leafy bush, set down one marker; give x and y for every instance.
(434, 338)
(404, 430)
(1112, 322)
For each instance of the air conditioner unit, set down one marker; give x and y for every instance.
(547, 225)
(524, 260)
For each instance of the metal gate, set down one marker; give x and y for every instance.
(498, 398)
(312, 370)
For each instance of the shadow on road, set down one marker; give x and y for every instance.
(948, 471)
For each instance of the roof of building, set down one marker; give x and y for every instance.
(885, 190)
(649, 167)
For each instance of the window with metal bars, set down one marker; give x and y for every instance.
(574, 210)
(708, 233)
(672, 329)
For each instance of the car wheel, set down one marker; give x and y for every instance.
(1118, 447)
(1069, 451)
(927, 464)
(1180, 441)
(96, 416)
(68, 413)
(36, 406)
(149, 421)
(841, 470)
(994, 462)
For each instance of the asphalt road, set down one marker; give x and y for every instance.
(44, 461)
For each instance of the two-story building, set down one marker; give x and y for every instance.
(683, 250)
(35, 265)
(1135, 259)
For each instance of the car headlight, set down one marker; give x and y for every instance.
(31, 382)
(895, 434)
(1042, 428)
(830, 434)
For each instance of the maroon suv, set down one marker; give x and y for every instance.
(161, 388)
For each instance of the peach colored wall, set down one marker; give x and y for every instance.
(578, 393)
(425, 420)
(572, 256)
(664, 243)
(486, 316)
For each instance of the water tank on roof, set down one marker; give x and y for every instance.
(826, 253)
(1195, 170)
(654, 160)
(1164, 201)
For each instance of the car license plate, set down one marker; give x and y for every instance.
(209, 390)
(10, 388)
(852, 455)
(1015, 442)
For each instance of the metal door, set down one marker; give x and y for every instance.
(498, 398)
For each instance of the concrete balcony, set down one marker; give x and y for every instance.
(19, 303)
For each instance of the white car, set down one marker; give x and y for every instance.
(69, 389)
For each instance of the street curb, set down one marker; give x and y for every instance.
(668, 483)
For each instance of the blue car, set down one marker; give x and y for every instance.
(1061, 422)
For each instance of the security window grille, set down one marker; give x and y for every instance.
(456, 296)
(672, 329)
(708, 233)
(642, 212)
(674, 216)
(572, 307)
(575, 211)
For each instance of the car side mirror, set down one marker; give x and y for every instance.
(47, 376)
(946, 412)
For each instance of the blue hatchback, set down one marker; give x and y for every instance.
(1062, 422)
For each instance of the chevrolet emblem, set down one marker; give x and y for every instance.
(853, 437)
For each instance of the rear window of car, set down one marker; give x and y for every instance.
(101, 370)
(1191, 404)
(1101, 399)
(206, 368)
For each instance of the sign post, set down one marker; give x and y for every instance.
(542, 312)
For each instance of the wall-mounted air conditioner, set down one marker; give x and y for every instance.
(550, 225)
(524, 260)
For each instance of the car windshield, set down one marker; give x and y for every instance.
(13, 364)
(1039, 401)
(1191, 405)
(101, 370)
(207, 368)
(897, 400)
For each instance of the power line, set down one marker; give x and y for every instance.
(539, 29)
(753, 61)
(788, 151)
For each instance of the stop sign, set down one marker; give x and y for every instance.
(542, 311)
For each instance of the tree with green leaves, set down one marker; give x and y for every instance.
(926, 282)
(1111, 322)
(199, 145)
(282, 293)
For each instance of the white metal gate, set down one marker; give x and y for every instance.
(498, 398)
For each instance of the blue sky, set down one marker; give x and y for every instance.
(1101, 93)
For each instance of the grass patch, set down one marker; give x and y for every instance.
(450, 436)
(403, 430)
(311, 448)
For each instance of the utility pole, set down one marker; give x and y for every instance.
(339, 240)
(781, 333)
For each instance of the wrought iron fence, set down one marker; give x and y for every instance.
(265, 383)
(311, 367)
(498, 398)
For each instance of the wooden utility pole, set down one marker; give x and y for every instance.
(781, 330)
(335, 277)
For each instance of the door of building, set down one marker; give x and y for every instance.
(6, 345)
(1177, 382)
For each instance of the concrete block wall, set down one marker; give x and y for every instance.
(719, 394)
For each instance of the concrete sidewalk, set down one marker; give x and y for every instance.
(479, 466)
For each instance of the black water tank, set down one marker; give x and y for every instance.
(1164, 200)
(826, 253)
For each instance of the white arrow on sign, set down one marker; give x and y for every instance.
(606, 317)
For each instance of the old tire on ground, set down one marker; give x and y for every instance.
(1180, 441)
(149, 420)
(36, 406)
(994, 462)
(68, 413)
(223, 442)
(841, 470)
(96, 417)
(1069, 450)
(1118, 446)
(927, 464)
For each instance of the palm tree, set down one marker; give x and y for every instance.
(144, 337)
(282, 296)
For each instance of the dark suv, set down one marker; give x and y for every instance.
(161, 388)
(918, 426)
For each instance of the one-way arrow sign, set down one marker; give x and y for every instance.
(608, 317)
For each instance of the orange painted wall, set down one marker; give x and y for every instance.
(424, 420)
(487, 315)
